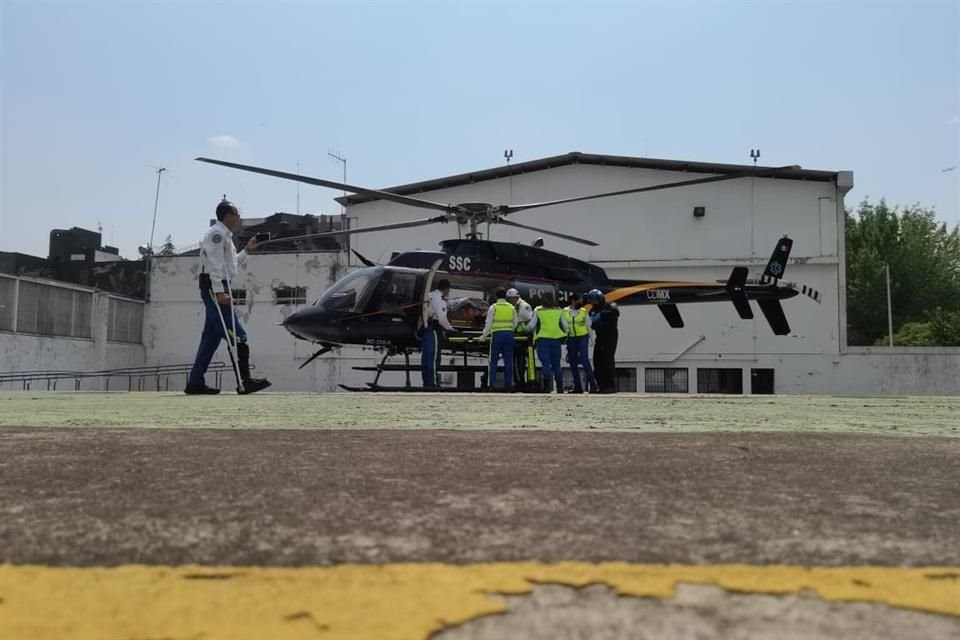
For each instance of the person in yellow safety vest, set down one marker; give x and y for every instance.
(523, 351)
(500, 325)
(578, 343)
(551, 329)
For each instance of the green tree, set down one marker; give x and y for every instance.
(168, 249)
(924, 260)
(945, 327)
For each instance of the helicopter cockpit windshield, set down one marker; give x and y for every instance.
(350, 293)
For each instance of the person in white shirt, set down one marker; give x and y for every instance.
(219, 261)
(437, 321)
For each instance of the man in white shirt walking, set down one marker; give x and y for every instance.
(219, 261)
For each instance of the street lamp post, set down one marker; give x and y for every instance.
(148, 256)
(886, 268)
(156, 201)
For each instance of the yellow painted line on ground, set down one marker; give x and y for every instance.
(388, 601)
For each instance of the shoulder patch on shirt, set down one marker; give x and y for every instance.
(216, 237)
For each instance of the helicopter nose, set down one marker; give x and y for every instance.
(296, 322)
(310, 323)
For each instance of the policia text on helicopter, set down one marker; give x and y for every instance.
(219, 262)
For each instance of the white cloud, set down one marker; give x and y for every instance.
(955, 120)
(224, 142)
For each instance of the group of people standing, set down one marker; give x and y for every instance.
(548, 328)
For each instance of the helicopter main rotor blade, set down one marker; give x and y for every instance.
(511, 223)
(346, 232)
(383, 195)
(669, 185)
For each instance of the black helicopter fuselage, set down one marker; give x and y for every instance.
(380, 306)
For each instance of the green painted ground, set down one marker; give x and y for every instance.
(623, 412)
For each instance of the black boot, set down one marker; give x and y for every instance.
(200, 390)
(250, 385)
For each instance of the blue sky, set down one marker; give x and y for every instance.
(96, 95)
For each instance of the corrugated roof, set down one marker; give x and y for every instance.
(577, 157)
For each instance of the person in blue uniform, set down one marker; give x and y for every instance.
(604, 317)
(437, 322)
(219, 266)
(500, 326)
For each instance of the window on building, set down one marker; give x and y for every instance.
(666, 380)
(761, 381)
(719, 381)
(125, 322)
(239, 296)
(627, 380)
(49, 310)
(290, 295)
(8, 293)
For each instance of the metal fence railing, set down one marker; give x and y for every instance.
(138, 378)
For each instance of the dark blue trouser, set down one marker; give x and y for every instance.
(501, 344)
(578, 353)
(548, 350)
(430, 356)
(212, 335)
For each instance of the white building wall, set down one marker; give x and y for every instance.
(641, 227)
(868, 371)
(21, 352)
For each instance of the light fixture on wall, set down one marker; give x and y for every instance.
(699, 212)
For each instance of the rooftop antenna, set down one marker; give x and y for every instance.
(508, 156)
(755, 154)
(343, 161)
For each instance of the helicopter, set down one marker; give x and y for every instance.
(384, 306)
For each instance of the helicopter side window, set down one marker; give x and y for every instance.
(351, 291)
(394, 293)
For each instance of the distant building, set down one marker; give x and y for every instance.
(290, 225)
(77, 256)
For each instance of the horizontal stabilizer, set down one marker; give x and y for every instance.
(735, 284)
(672, 314)
(773, 312)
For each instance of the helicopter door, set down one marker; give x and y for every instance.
(427, 288)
